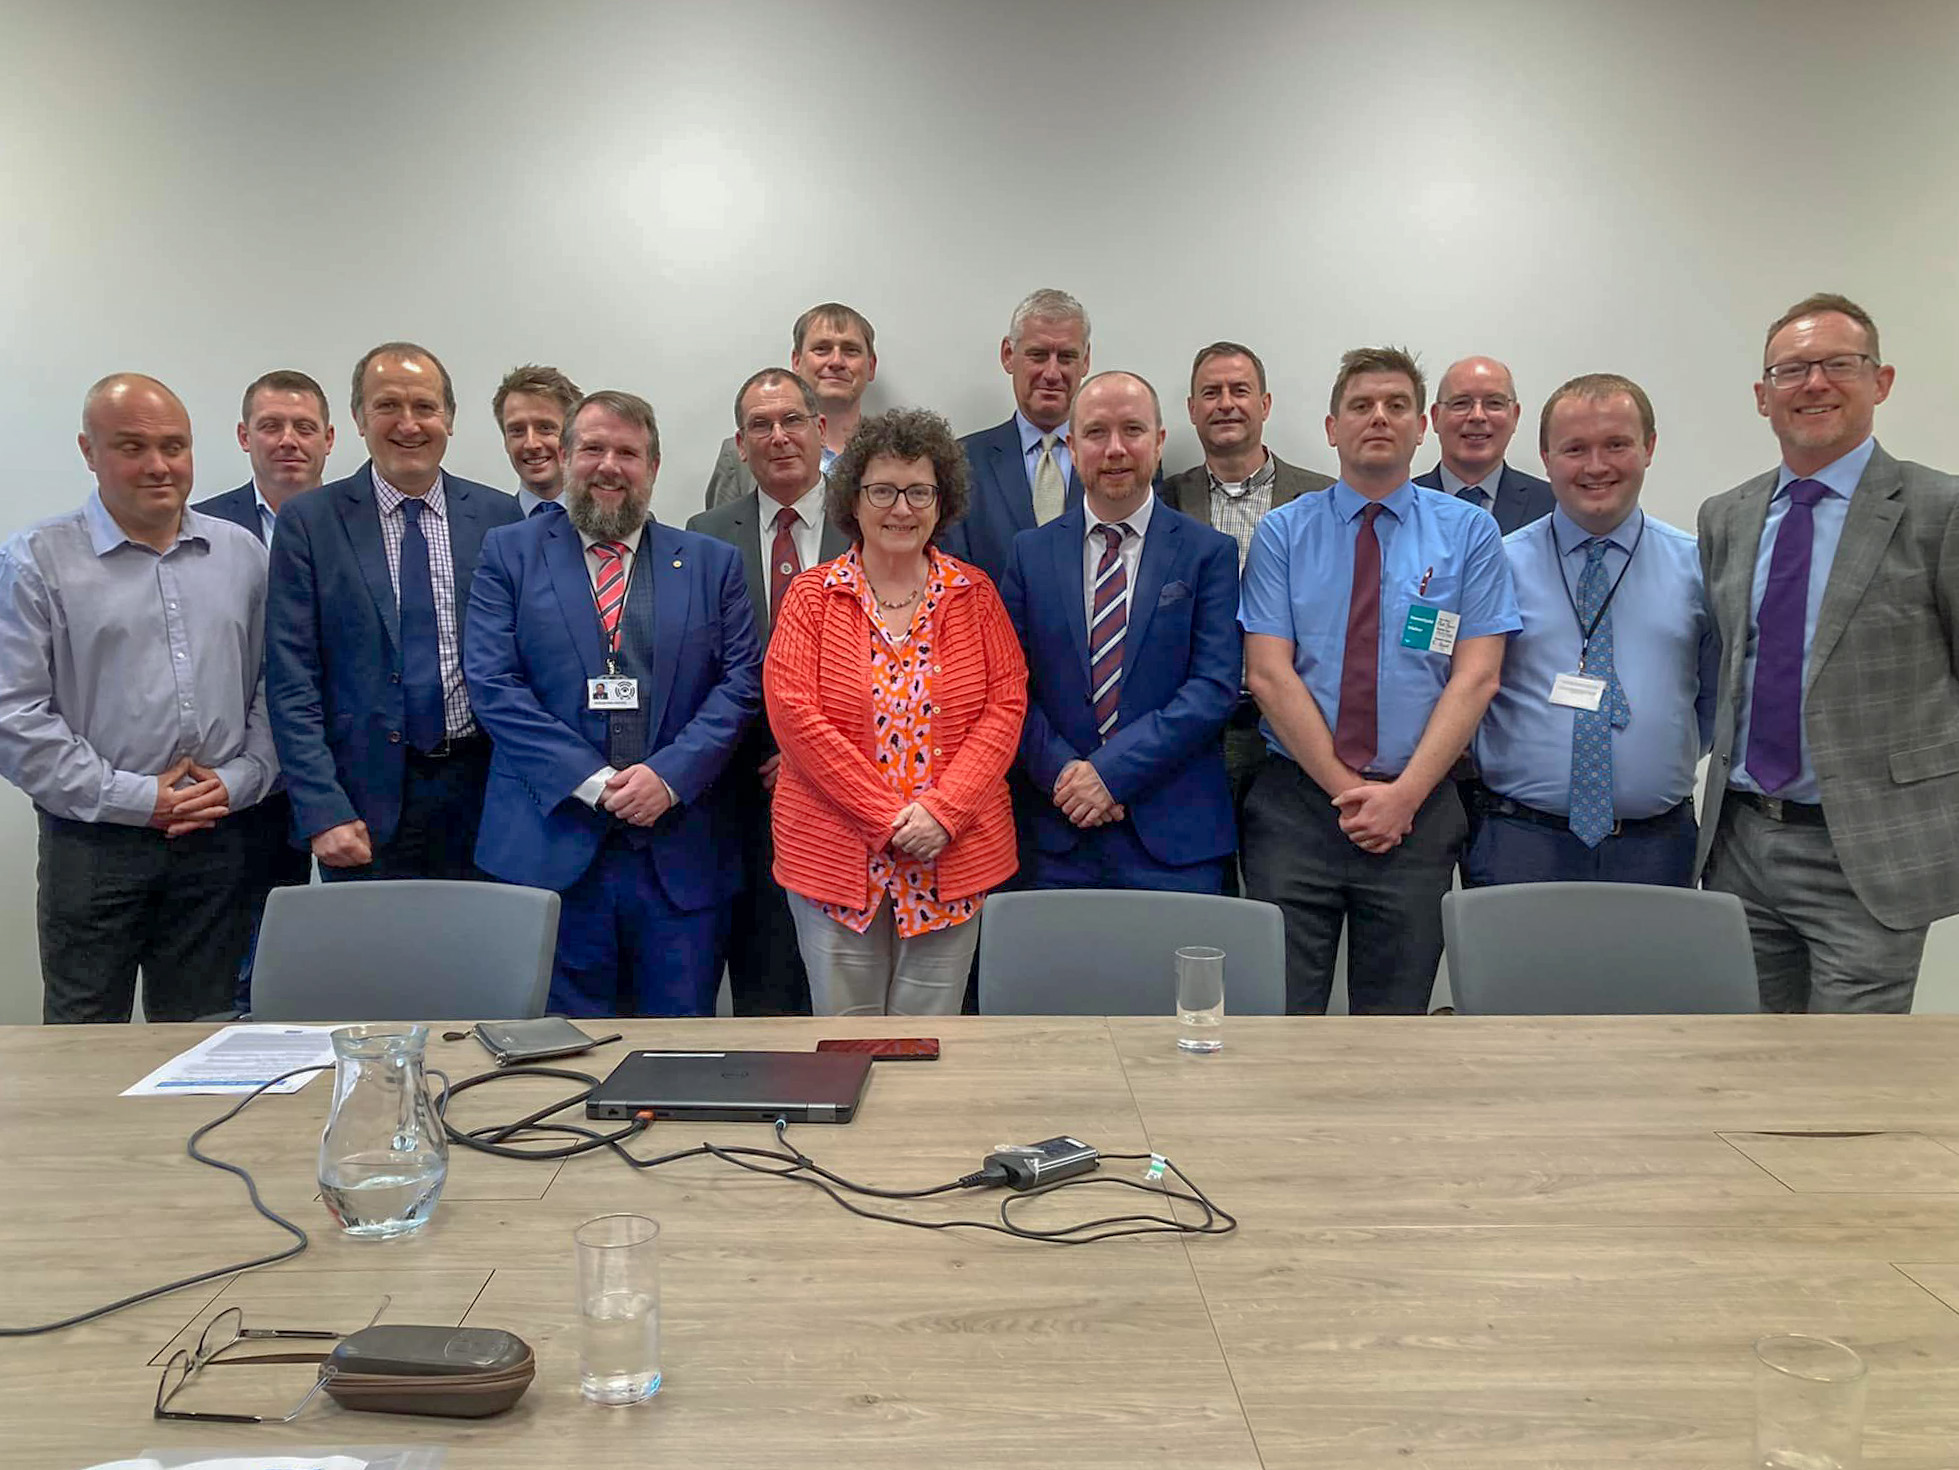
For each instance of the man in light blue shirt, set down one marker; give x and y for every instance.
(530, 407)
(1375, 616)
(1587, 754)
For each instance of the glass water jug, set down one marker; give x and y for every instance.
(383, 1155)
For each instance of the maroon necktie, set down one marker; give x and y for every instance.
(1355, 735)
(783, 562)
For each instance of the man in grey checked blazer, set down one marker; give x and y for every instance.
(1842, 841)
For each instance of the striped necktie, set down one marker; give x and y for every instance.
(609, 588)
(1107, 624)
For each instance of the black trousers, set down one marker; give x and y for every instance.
(766, 976)
(114, 900)
(1391, 903)
(441, 809)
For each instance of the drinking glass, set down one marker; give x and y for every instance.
(1809, 1404)
(618, 1308)
(1200, 999)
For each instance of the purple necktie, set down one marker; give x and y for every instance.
(1775, 718)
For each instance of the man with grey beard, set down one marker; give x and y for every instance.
(609, 735)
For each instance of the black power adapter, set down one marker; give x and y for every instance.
(1024, 1165)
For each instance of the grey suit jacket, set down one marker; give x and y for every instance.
(739, 523)
(731, 479)
(1190, 491)
(1881, 694)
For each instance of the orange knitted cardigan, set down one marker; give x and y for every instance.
(832, 808)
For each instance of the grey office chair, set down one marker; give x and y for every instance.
(414, 949)
(1597, 949)
(1108, 952)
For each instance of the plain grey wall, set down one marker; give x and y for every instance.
(647, 194)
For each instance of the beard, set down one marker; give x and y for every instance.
(600, 522)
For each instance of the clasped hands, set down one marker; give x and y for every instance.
(198, 803)
(917, 833)
(1083, 798)
(1375, 815)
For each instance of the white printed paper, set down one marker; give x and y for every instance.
(238, 1060)
(1578, 691)
(248, 1462)
(1446, 624)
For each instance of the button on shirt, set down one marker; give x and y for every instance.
(1664, 650)
(456, 717)
(1236, 509)
(115, 662)
(1030, 449)
(1840, 479)
(1299, 580)
(1094, 543)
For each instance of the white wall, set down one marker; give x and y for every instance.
(647, 194)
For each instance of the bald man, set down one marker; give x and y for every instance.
(1128, 611)
(1474, 416)
(132, 712)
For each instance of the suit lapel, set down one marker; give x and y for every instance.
(1065, 540)
(1151, 570)
(663, 561)
(1010, 473)
(360, 513)
(1284, 487)
(834, 542)
(1867, 530)
(465, 539)
(1197, 503)
(1751, 512)
(747, 529)
(564, 559)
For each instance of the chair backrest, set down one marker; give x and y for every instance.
(1597, 949)
(1109, 952)
(413, 949)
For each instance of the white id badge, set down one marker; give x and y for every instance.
(1578, 691)
(1446, 624)
(612, 693)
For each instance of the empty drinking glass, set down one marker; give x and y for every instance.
(1809, 1404)
(618, 1308)
(1200, 999)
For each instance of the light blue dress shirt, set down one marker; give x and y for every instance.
(1299, 580)
(1030, 449)
(1840, 478)
(1664, 649)
(268, 518)
(829, 458)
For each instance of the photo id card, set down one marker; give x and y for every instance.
(1432, 629)
(612, 692)
(1578, 691)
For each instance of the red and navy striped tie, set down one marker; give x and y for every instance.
(1105, 629)
(609, 591)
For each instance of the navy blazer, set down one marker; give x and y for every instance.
(1520, 498)
(999, 500)
(1181, 671)
(239, 506)
(333, 646)
(531, 643)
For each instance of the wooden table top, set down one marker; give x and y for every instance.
(1464, 1243)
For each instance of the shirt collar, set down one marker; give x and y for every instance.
(1348, 502)
(104, 535)
(631, 540)
(265, 506)
(529, 500)
(390, 499)
(1569, 535)
(1455, 484)
(808, 506)
(1030, 437)
(1258, 479)
(1840, 476)
(1138, 520)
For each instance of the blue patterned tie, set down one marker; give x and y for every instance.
(1591, 730)
(421, 656)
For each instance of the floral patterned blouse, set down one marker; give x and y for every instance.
(901, 721)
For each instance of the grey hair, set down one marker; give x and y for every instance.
(1047, 305)
(769, 376)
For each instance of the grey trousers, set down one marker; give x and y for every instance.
(877, 973)
(1817, 948)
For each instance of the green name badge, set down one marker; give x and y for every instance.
(1430, 629)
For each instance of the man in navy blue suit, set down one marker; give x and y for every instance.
(1021, 472)
(286, 431)
(1474, 415)
(1128, 612)
(369, 580)
(615, 663)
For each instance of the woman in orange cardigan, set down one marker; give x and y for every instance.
(895, 689)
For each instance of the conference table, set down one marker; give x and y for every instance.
(1463, 1243)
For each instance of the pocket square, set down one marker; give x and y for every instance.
(1175, 592)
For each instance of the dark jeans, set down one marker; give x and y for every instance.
(117, 899)
(1297, 857)
(441, 808)
(1507, 849)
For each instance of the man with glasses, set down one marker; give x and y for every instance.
(1832, 799)
(780, 529)
(1475, 414)
(833, 348)
(1125, 707)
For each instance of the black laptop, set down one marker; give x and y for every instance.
(734, 1086)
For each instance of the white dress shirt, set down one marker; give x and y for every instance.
(807, 532)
